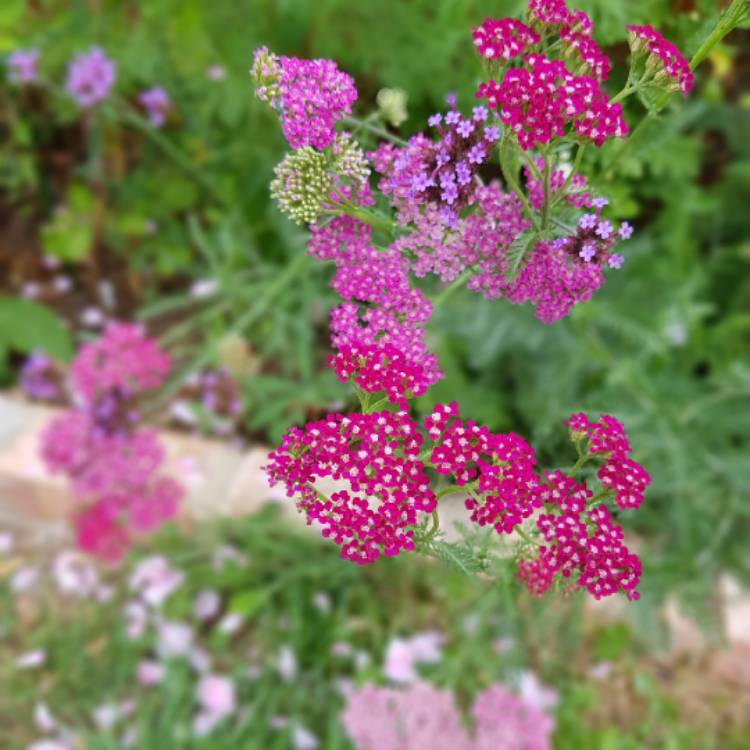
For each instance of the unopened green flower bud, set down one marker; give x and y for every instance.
(349, 160)
(303, 184)
(266, 72)
(392, 105)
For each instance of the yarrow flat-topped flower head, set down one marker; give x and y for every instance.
(310, 95)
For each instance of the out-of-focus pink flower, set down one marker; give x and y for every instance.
(230, 623)
(150, 673)
(49, 745)
(402, 655)
(154, 579)
(175, 639)
(216, 73)
(534, 693)
(206, 604)
(156, 103)
(216, 694)
(74, 574)
(91, 75)
(304, 739)
(199, 660)
(31, 659)
(22, 66)
(399, 662)
(43, 718)
(136, 616)
(6, 542)
(23, 579)
(286, 663)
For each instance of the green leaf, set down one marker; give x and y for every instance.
(247, 603)
(28, 326)
(70, 234)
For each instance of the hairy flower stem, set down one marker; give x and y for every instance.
(545, 184)
(571, 174)
(457, 283)
(579, 463)
(526, 537)
(510, 178)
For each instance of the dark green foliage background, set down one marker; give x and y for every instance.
(664, 346)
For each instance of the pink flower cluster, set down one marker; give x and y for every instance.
(539, 100)
(503, 38)
(41, 378)
(579, 533)
(393, 312)
(628, 479)
(375, 368)
(556, 13)
(664, 54)
(377, 454)
(22, 66)
(122, 359)
(91, 75)
(580, 539)
(422, 716)
(156, 103)
(111, 462)
(590, 55)
(310, 95)
(500, 467)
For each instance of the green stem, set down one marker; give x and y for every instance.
(510, 179)
(573, 172)
(452, 288)
(579, 463)
(374, 129)
(525, 536)
(545, 185)
(730, 19)
(626, 92)
(435, 524)
(376, 221)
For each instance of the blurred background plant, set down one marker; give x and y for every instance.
(104, 215)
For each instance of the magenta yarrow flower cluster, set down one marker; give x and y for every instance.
(544, 238)
(112, 462)
(310, 96)
(377, 454)
(663, 58)
(23, 66)
(389, 474)
(422, 716)
(91, 76)
(539, 101)
(156, 102)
